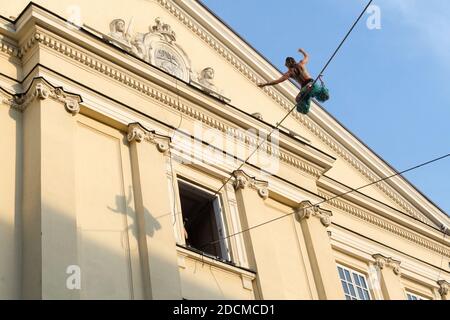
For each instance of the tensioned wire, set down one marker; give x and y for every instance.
(329, 199)
(285, 117)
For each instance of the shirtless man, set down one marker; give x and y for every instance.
(298, 72)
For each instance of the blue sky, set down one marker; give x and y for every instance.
(390, 87)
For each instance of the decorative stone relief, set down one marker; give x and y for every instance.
(41, 89)
(118, 33)
(205, 81)
(443, 288)
(382, 262)
(6, 98)
(158, 47)
(242, 180)
(138, 133)
(306, 209)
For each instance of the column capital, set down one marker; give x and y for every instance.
(306, 209)
(243, 180)
(382, 262)
(41, 89)
(443, 288)
(137, 133)
(6, 97)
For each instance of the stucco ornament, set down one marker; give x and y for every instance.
(138, 133)
(164, 29)
(443, 288)
(205, 81)
(306, 209)
(243, 180)
(41, 89)
(117, 31)
(382, 262)
(158, 47)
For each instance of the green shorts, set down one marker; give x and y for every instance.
(319, 92)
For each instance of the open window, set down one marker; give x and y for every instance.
(204, 226)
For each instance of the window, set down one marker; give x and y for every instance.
(413, 296)
(204, 227)
(354, 284)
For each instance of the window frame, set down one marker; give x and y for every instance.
(221, 218)
(355, 286)
(416, 295)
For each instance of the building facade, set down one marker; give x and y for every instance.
(123, 130)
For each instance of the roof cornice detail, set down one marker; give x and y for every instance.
(41, 89)
(289, 92)
(282, 97)
(43, 38)
(383, 223)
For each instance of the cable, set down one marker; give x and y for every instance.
(326, 200)
(170, 157)
(301, 98)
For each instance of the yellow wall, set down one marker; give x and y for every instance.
(77, 189)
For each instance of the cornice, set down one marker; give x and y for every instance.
(41, 89)
(40, 37)
(137, 133)
(306, 209)
(243, 180)
(384, 224)
(9, 49)
(332, 186)
(382, 262)
(281, 100)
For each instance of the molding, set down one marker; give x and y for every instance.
(243, 180)
(9, 49)
(381, 262)
(288, 91)
(137, 133)
(6, 98)
(41, 89)
(39, 37)
(443, 288)
(306, 209)
(384, 224)
(353, 245)
(280, 99)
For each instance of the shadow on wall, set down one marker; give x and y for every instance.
(123, 206)
(108, 270)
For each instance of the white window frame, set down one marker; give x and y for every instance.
(219, 215)
(353, 283)
(415, 295)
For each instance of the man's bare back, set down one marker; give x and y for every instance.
(310, 89)
(296, 71)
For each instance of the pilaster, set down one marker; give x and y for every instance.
(48, 199)
(390, 272)
(250, 196)
(157, 243)
(314, 222)
(10, 187)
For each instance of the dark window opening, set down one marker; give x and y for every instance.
(204, 228)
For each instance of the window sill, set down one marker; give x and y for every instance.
(214, 261)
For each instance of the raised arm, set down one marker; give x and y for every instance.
(305, 59)
(274, 82)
